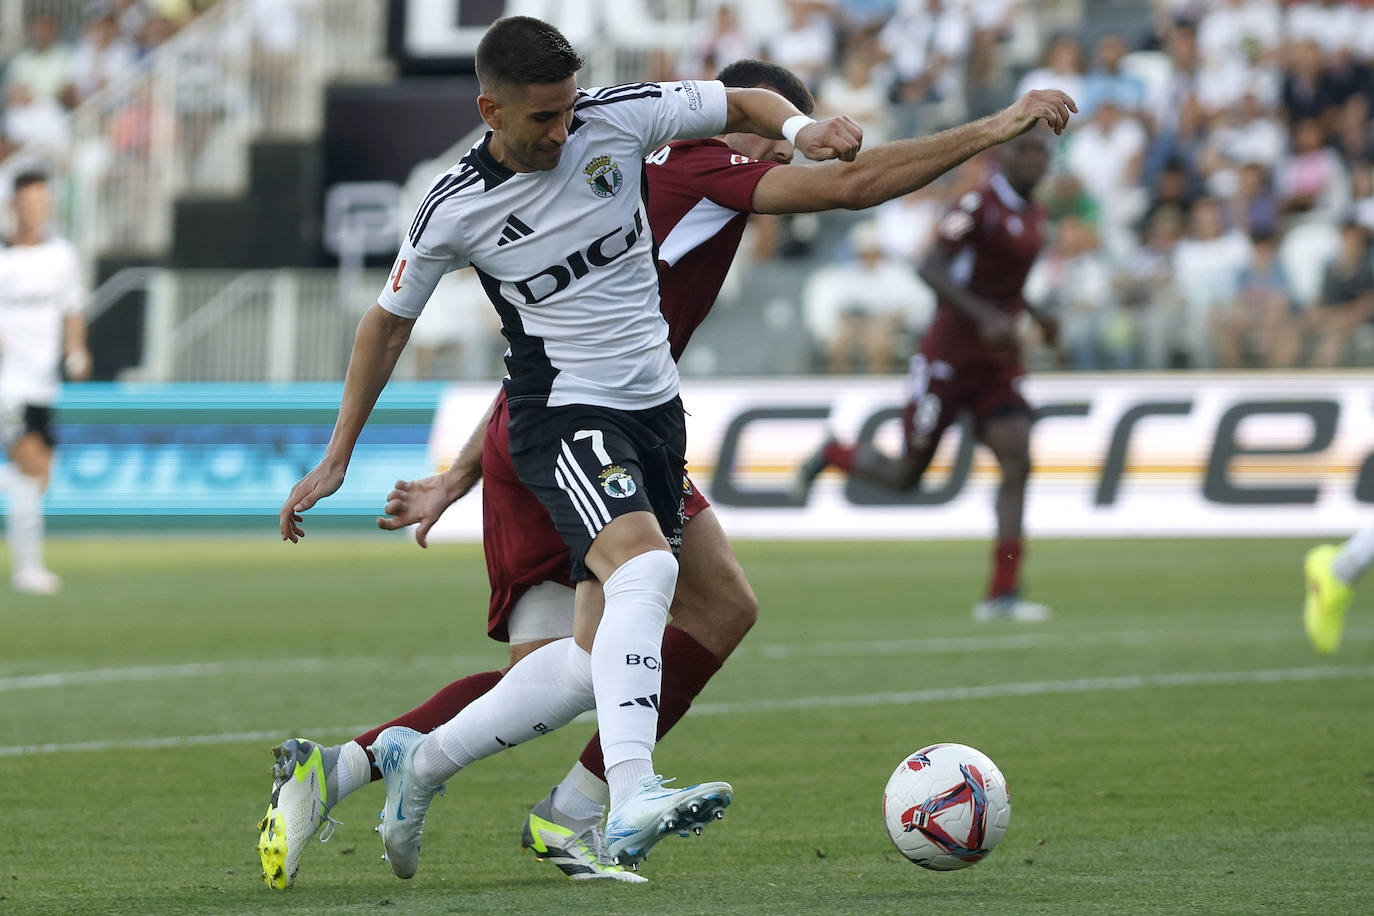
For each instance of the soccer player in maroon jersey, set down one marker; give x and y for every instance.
(701, 193)
(970, 360)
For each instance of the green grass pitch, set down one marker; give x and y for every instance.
(1171, 743)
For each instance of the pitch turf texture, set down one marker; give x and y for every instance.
(1171, 743)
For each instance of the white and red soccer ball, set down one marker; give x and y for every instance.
(946, 807)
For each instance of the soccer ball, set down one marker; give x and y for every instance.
(946, 807)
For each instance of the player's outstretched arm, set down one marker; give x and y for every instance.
(377, 345)
(421, 502)
(764, 112)
(903, 166)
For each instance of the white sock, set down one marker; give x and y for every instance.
(547, 688)
(626, 662)
(623, 778)
(1356, 556)
(581, 795)
(24, 522)
(350, 770)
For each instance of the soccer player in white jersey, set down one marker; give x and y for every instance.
(41, 329)
(548, 209)
(1332, 572)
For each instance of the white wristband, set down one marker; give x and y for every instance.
(793, 125)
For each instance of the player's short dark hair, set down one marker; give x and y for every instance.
(751, 74)
(519, 50)
(29, 177)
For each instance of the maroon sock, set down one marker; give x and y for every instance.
(435, 711)
(687, 666)
(1006, 567)
(841, 456)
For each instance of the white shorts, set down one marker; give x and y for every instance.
(543, 612)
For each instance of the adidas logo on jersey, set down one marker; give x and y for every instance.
(514, 231)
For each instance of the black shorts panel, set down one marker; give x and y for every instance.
(589, 465)
(28, 418)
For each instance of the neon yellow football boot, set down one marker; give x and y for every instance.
(298, 806)
(1327, 597)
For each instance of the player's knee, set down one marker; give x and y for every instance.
(1016, 466)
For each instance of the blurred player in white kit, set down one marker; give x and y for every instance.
(42, 334)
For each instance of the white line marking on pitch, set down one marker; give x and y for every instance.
(799, 704)
(951, 644)
(218, 669)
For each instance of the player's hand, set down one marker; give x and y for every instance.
(313, 487)
(996, 328)
(1048, 105)
(421, 502)
(834, 138)
(77, 365)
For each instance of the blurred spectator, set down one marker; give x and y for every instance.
(807, 45)
(726, 43)
(1182, 141)
(43, 68)
(1362, 189)
(1347, 299)
(1254, 208)
(1259, 327)
(1063, 69)
(1106, 154)
(1108, 83)
(863, 314)
(928, 43)
(1244, 133)
(1145, 285)
(1231, 28)
(1172, 192)
(1064, 195)
(856, 92)
(102, 57)
(1207, 268)
(1326, 24)
(1081, 296)
(906, 226)
(1307, 90)
(1313, 184)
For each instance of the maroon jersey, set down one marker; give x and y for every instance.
(991, 237)
(700, 196)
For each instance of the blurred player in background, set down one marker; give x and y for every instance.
(700, 195)
(42, 334)
(970, 360)
(1332, 572)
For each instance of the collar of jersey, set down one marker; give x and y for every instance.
(492, 170)
(1007, 193)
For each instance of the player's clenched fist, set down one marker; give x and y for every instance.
(1048, 105)
(834, 138)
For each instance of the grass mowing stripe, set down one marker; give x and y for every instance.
(932, 695)
(951, 644)
(771, 652)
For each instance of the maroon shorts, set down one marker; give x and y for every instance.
(940, 391)
(522, 545)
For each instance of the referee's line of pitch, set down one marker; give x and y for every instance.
(801, 704)
(769, 651)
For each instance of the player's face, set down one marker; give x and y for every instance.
(530, 123)
(32, 208)
(1026, 162)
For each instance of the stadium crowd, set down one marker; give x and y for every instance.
(1211, 204)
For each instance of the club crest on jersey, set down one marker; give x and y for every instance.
(603, 176)
(617, 482)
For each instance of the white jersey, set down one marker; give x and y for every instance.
(40, 285)
(565, 255)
